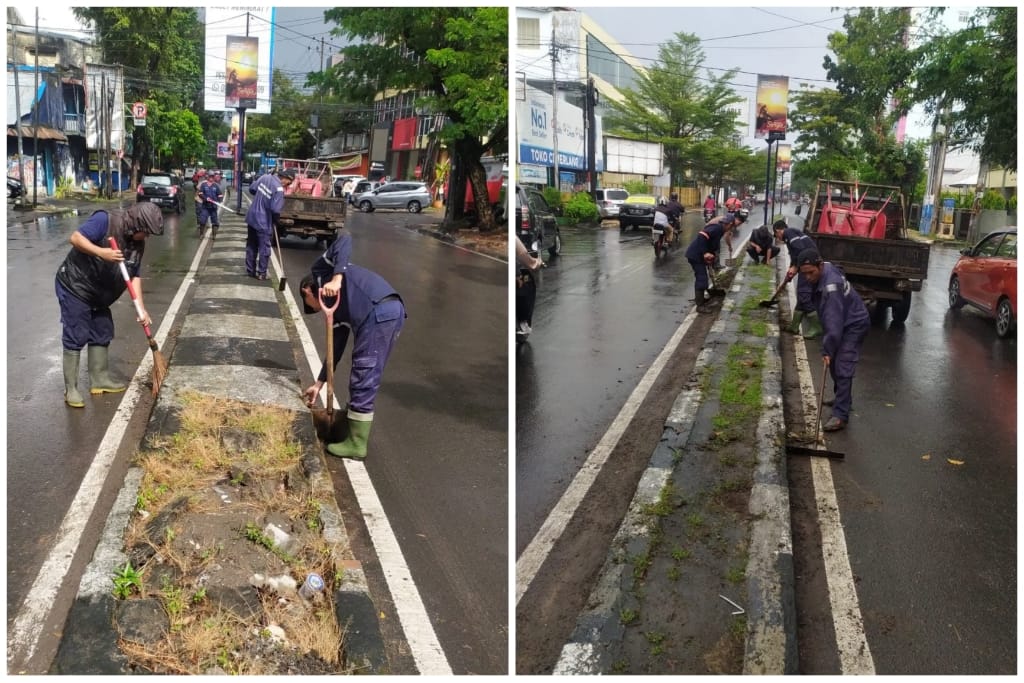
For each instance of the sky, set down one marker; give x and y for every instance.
(778, 41)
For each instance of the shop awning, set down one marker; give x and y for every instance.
(45, 133)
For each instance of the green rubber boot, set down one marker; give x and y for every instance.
(358, 434)
(71, 395)
(812, 326)
(794, 326)
(99, 372)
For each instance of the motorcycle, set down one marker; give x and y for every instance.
(661, 242)
(708, 215)
(15, 189)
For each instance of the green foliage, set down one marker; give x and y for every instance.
(1011, 205)
(285, 131)
(973, 72)
(64, 187)
(582, 209)
(126, 580)
(455, 57)
(552, 196)
(636, 187)
(678, 104)
(993, 200)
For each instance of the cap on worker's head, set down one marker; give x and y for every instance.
(809, 257)
(307, 281)
(780, 225)
(288, 173)
(145, 217)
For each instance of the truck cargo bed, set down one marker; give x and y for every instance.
(892, 258)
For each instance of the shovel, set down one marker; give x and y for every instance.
(775, 297)
(819, 442)
(284, 280)
(327, 427)
(715, 289)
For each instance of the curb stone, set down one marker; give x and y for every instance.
(770, 643)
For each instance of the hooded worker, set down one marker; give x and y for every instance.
(262, 218)
(374, 312)
(796, 242)
(846, 322)
(703, 251)
(90, 280)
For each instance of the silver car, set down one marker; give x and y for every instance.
(395, 195)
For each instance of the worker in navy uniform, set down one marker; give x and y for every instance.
(374, 312)
(796, 241)
(846, 322)
(209, 192)
(90, 280)
(762, 245)
(703, 250)
(199, 180)
(262, 219)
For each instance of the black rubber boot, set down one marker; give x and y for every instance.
(699, 301)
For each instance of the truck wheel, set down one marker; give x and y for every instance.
(901, 309)
(414, 207)
(1004, 318)
(955, 301)
(365, 206)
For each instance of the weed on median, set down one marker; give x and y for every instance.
(226, 527)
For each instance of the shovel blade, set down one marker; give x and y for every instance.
(716, 292)
(767, 304)
(792, 449)
(282, 284)
(330, 427)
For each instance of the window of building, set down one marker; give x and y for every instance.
(529, 33)
(609, 66)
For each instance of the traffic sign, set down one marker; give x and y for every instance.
(139, 110)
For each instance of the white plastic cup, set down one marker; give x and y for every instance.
(313, 585)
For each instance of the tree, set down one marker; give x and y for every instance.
(161, 50)
(286, 130)
(178, 135)
(973, 73)
(826, 145)
(676, 106)
(457, 58)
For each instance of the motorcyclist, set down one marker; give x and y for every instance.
(666, 215)
(733, 203)
(710, 208)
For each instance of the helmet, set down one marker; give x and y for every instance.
(674, 197)
(733, 193)
(742, 215)
(662, 201)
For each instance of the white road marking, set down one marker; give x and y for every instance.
(412, 614)
(536, 553)
(23, 636)
(851, 640)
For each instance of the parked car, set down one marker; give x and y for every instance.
(340, 180)
(395, 195)
(248, 177)
(985, 277)
(164, 189)
(536, 222)
(637, 211)
(609, 201)
(362, 187)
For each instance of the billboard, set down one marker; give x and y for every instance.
(785, 157)
(534, 126)
(255, 51)
(634, 156)
(241, 60)
(772, 107)
(94, 78)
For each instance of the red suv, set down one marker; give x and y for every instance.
(986, 278)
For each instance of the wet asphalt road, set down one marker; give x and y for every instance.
(605, 309)
(932, 544)
(441, 433)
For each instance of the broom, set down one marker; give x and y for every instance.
(159, 364)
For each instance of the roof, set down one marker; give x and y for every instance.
(45, 133)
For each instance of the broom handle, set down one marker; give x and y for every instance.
(131, 291)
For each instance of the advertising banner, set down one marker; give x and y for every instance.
(224, 150)
(224, 24)
(785, 157)
(772, 107)
(94, 78)
(241, 59)
(534, 126)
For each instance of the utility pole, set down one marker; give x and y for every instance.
(101, 144)
(241, 140)
(35, 122)
(17, 109)
(592, 135)
(316, 126)
(554, 105)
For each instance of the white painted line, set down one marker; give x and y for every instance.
(412, 614)
(536, 553)
(851, 640)
(23, 636)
